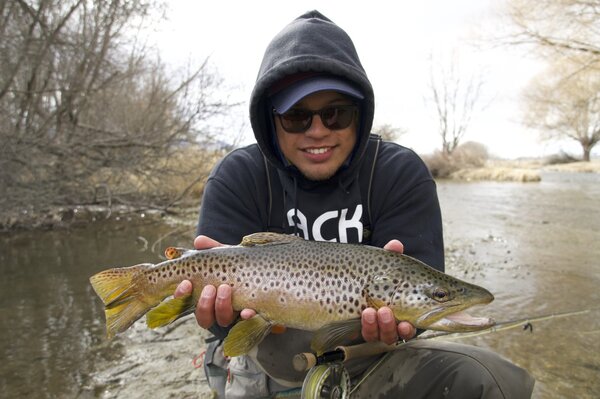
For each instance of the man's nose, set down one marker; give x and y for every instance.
(317, 129)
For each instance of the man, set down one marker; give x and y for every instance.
(317, 172)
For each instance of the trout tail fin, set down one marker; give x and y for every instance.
(121, 295)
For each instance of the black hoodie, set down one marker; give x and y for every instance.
(383, 192)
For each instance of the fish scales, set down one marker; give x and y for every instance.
(319, 286)
(314, 286)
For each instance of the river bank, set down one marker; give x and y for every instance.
(59, 217)
(165, 363)
(521, 171)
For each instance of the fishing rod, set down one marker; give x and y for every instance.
(328, 378)
(307, 360)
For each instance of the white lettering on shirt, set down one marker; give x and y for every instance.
(302, 224)
(316, 230)
(344, 224)
(354, 223)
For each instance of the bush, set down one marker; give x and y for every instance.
(560, 158)
(468, 155)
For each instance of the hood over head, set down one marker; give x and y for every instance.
(310, 54)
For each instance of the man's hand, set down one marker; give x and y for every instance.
(214, 304)
(380, 324)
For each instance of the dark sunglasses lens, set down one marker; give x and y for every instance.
(337, 118)
(296, 120)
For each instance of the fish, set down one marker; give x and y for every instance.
(321, 287)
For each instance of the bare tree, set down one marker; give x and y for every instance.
(83, 102)
(562, 102)
(389, 132)
(455, 99)
(566, 107)
(567, 29)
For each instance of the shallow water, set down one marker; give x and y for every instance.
(534, 245)
(52, 323)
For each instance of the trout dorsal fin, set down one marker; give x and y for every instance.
(266, 238)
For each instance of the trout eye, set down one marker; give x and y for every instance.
(440, 295)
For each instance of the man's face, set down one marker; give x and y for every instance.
(319, 152)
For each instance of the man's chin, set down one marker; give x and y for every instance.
(318, 174)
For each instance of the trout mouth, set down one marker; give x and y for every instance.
(451, 317)
(462, 321)
(458, 321)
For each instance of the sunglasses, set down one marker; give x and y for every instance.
(334, 117)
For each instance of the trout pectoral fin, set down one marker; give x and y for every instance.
(169, 311)
(245, 335)
(334, 334)
(267, 238)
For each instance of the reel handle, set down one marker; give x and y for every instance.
(306, 360)
(365, 349)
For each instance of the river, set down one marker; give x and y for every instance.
(534, 245)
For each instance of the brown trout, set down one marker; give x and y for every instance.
(308, 285)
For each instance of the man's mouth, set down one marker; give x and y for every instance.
(316, 151)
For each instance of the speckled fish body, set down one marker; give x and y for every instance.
(301, 284)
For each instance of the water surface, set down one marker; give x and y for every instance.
(52, 330)
(535, 246)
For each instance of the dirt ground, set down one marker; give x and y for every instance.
(166, 362)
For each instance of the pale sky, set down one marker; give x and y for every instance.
(394, 41)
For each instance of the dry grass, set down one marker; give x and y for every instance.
(521, 170)
(179, 177)
(579, 167)
(497, 174)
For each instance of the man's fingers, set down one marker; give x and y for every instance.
(247, 314)
(205, 310)
(394, 245)
(406, 330)
(223, 307)
(204, 242)
(184, 288)
(387, 325)
(370, 329)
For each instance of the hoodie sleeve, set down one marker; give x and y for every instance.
(233, 203)
(405, 206)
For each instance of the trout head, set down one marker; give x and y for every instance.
(429, 299)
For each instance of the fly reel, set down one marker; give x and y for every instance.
(326, 381)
